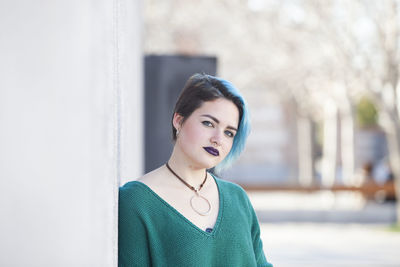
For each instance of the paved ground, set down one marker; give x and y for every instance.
(322, 207)
(326, 229)
(330, 245)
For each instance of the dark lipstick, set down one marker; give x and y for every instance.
(212, 151)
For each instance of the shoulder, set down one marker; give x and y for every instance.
(231, 189)
(128, 190)
(135, 199)
(154, 179)
(142, 184)
(235, 197)
(131, 186)
(228, 185)
(132, 191)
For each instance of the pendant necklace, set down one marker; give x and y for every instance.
(197, 202)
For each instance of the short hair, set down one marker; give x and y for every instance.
(201, 88)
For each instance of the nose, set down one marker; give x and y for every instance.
(216, 139)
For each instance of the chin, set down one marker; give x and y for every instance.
(204, 161)
(206, 164)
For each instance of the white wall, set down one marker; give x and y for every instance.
(70, 127)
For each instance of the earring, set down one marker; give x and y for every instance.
(177, 132)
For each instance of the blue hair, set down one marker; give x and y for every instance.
(242, 133)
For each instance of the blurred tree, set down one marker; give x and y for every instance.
(366, 38)
(367, 115)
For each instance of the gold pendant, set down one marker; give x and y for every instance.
(199, 200)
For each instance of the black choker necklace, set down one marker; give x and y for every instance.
(196, 200)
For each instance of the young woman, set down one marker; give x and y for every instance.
(182, 215)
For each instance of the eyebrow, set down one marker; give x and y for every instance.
(217, 121)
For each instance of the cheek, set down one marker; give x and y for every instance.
(228, 146)
(193, 133)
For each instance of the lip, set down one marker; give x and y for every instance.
(212, 151)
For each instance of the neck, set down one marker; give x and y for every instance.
(191, 174)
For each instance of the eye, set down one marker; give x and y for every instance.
(207, 123)
(229, 134)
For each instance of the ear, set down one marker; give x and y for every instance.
(177, 120)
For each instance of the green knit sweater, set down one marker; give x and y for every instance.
(153, 233)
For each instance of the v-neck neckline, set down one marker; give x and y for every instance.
(180, 215)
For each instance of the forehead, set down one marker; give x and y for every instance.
(222, 109)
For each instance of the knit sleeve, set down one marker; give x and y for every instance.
(132, 239)
(257, 243)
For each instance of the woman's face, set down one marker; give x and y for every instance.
(206, 136)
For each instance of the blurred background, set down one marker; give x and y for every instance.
(86, 96)
(322, 82)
